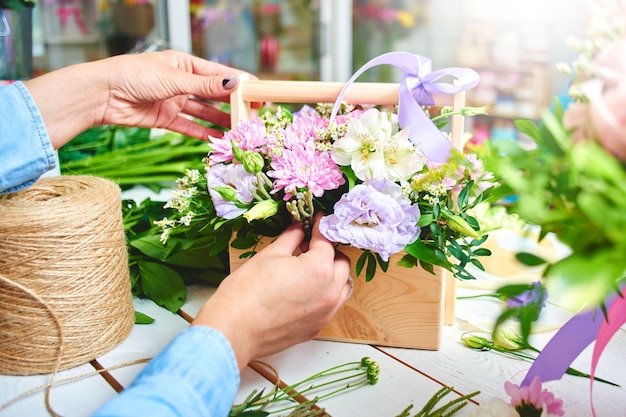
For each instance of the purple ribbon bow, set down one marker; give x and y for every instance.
(416, 89)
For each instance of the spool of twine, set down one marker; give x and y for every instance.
(65, 295)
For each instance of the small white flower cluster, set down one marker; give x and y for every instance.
(434, 192)
(181, 200)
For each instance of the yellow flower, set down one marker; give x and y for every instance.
(406, 19)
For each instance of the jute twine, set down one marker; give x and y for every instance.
(65, 295)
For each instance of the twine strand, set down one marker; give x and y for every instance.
(48, 386)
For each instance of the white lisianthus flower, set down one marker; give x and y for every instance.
(374, 148)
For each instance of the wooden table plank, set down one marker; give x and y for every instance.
(144, 341)
(469, 370)
(76, 399)
(398, 385)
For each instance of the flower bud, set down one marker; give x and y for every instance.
(253, 162)
(227, 193)
(261, 210)
(366, 360)
(458, 224)
(508, 340)
(237, 151)
(473, 111)
(373, 370)
(476, 342)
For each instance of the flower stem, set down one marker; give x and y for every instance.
(350, 375)
(569, 371)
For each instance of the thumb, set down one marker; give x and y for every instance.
(214, 87)
(208, 87)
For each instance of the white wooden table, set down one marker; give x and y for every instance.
(407, 376)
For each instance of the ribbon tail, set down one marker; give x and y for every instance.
(422, 131)
(565, 346)
(616, 317)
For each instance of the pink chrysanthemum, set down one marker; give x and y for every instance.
(249, 135)
(305, 128)
(303, 167)
(532, 396)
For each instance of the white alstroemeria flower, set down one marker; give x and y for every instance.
(374, 148)
(361, 146)
(401, 157)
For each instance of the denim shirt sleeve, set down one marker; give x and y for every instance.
(195, 375)
(25, 149)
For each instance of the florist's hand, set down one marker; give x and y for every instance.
(143, 90)
(276, 300)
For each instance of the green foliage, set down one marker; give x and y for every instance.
(576, 191)
(161, 272)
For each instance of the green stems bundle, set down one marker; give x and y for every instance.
(130, 156)
(335, 380)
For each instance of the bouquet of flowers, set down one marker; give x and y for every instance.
(378, 191)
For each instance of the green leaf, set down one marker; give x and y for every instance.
(141, 318)
(556, 139)
(463, 197)
(151, 246)
(384, 265)
(513, 290)
(425, 220)
(422, 252)
(371, 267)
(163, 285)
(529, 128)
(407, 261)
(360, 263)
(427, 267)
(529, 259)
(481, 252)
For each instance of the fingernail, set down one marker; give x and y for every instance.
(230, 82)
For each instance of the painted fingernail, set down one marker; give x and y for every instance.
(230, 82)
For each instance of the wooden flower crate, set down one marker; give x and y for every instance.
(404, 307)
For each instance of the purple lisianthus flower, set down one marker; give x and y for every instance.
(374, 215)
(536, 295)
(235, 177)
